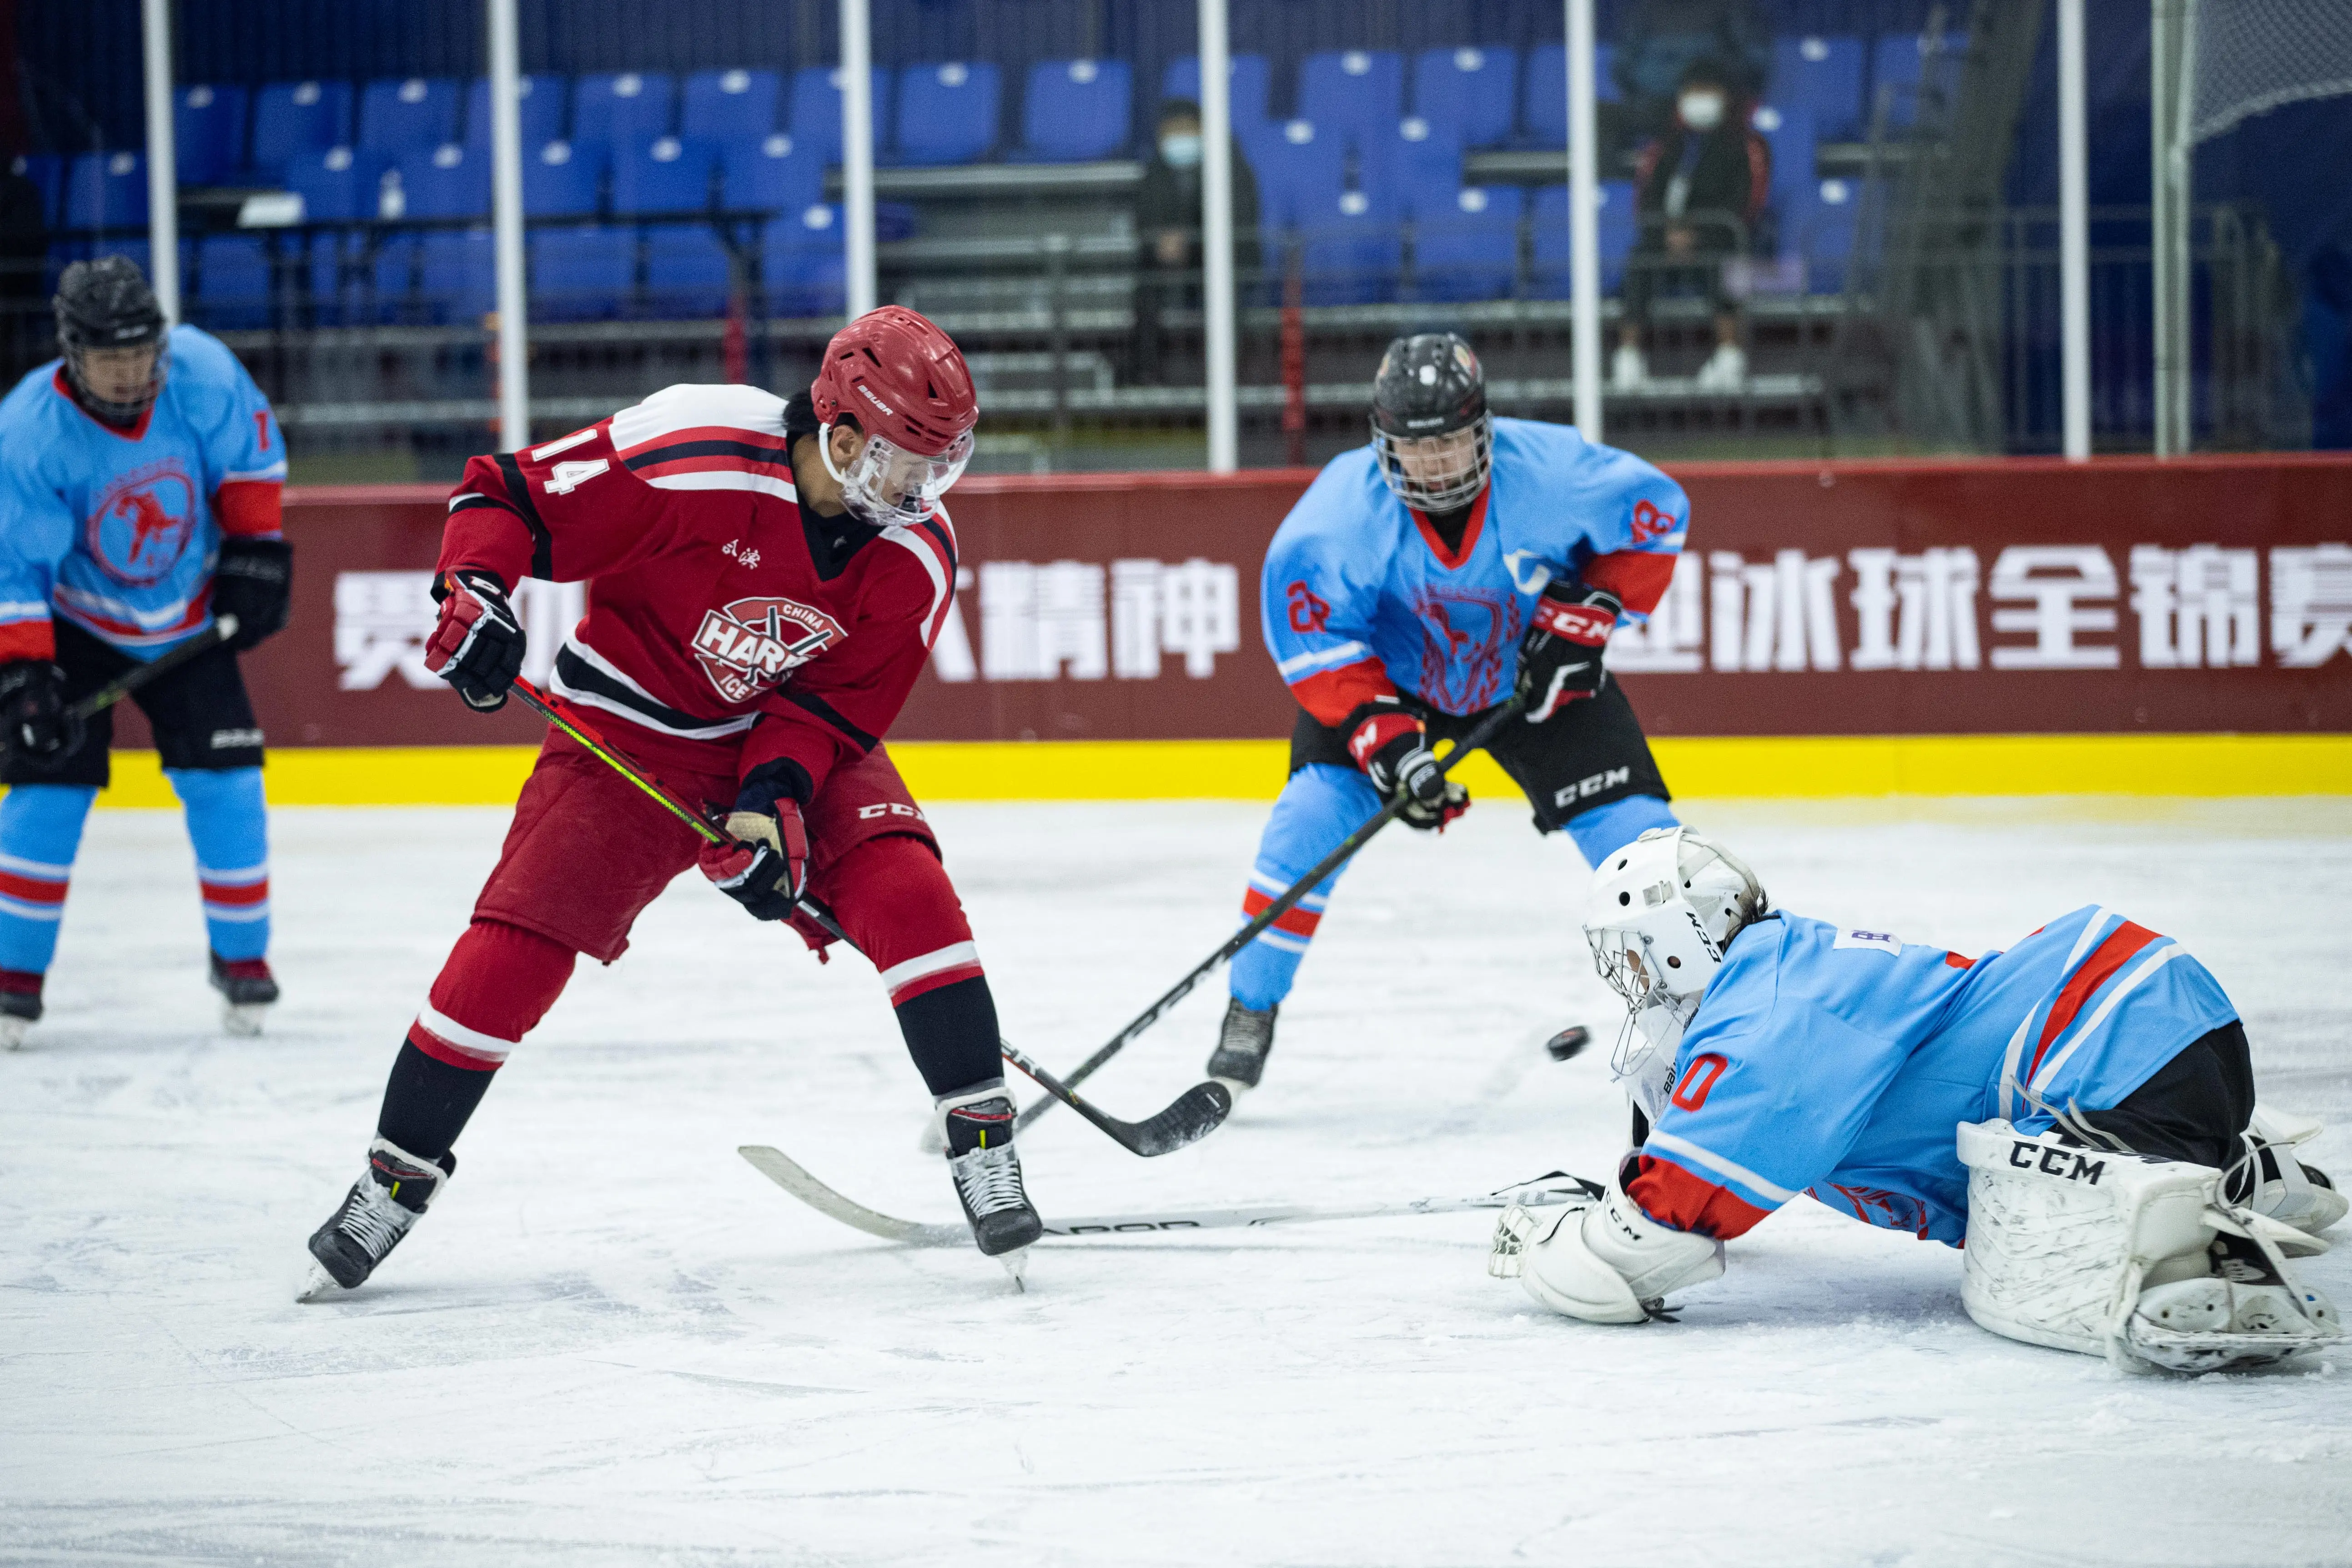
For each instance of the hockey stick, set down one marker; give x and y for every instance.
(223, 628)
(1486, 731)
(1555, 1187)
(1194, 1116)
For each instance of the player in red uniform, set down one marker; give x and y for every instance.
(765, 579)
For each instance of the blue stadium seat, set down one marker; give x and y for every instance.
(292, 118)
(1817, 225)
(1549, 276)
(401, 117)
(539, 105)
(582, 274)
(1073, 110)
(233, 287)
(48, 173)
(666, 174)
(336, 186)
(1417, 160)
(208, 133)
(615, 109)
(1895, 71)
(457, 275)
(802, 267)
(815, 122)
(1352, 250)
(947, 112)
(1788, 132)
(730, 105)
(106, 190)
(451, 181)
(390, 270)
(1358, 93)
(1469, 93)
(1467, 247)
(688, 274)
(1248, 81)
(562, 179)
(1545, 96)
(1824, 76)
(773, 173)
(330, 291)
(1300, 172)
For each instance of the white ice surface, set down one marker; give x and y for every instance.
(612, 1342)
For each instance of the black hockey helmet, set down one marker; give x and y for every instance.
(104, 305)
(1431, 429)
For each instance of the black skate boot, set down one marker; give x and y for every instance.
(1239, 1059)
(20, 1005)
(977, 1125)
(247, 989)
(396, 1189)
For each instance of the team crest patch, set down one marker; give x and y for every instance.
(753, 644)
(143, 522)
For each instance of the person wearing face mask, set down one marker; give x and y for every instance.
(1699, 190)
(1168, 232)
(1658, 40)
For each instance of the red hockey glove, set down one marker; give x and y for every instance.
(477, 645)
(765, 870)
(1393, 749)
(1559, 658)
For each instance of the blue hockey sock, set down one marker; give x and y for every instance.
(40, 829)
(1605, 829)
(1319, 807)
(228, 824)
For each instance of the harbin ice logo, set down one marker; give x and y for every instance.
(753, 644)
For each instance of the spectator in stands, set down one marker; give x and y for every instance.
(23, 259)
(1167, 230)
(1698, 190)
(1659, 40)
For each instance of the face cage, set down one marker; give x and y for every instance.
(112, 412)
(1621, 969)
(1456, 490)
(883, 466)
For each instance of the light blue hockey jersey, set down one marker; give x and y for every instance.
(117, 530)
(1358, 588)
(1840, 1062)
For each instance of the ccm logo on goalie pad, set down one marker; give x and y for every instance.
(2040, 1157)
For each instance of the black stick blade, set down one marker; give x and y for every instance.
(1197, 1112)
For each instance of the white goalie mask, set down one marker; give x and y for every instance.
(1663, 909)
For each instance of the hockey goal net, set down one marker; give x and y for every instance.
(2249, 57)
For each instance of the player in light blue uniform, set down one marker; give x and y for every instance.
(1420, 582)
(140, 480)
(1775, 1055)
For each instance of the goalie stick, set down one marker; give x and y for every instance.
(1553, 1187)
(223, 628)
(1347, 848)
(1193, 1115)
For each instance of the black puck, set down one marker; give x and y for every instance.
(1569, 1042)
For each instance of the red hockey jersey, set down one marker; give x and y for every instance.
(720, 614)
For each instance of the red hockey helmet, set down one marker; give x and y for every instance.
(906, 385)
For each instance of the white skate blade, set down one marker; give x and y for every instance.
(1234, 1087)
(243, 1018)
(12, 1031)
(1016, 1264)
(318, 1285)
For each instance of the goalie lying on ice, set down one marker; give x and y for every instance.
(2079, 1109)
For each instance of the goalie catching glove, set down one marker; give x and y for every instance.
(1600, 1258)
(477, 645)
(765, 868)
(1391, 747)
(1560, 657)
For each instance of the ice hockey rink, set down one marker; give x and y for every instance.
(613, 1341)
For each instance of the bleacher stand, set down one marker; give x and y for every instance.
(1544, 98)
(665, 175)
(1897, 72)
(1076, 110)
(1547, 217)
(330, 282)
(617, 108)
(1819, 79)
(1248, 83)
(208, 133)
(335, 185)
(947, 113)
(454, 274)
(1356, 94)
(1466, 243)
(444, 183)
(106, 191)
(804, 271)
(391, 271)
(1351, 250)
(398, 118)
(48, 173)
(773, 173)
(291, 118)
(1420, 161)
(563, 179)
(539, 105)
(687, 275)
(232, 283)
(1301, 172)
(729, 105)
(580, 274)
(1467, 93)
(815, 112)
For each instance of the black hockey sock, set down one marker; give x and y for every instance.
(427, 1102)
(952, 1033)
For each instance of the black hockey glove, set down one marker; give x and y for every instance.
(477, 645)
(1560, 657)
(1393, 749)
(765, 868)
(254, 582)
(33, 709)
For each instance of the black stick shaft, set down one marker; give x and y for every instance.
(223, 628)
(1486, 731)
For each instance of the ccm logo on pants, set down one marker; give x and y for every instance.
(1585, 787)
(888, 808)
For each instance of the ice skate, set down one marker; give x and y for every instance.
(1239, 1060)
(20, 1007)
(977, 1127)
(388, 1198)
(247, 991)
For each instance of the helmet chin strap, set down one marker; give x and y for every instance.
(849, 495)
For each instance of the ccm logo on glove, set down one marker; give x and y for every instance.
(1559, 658)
